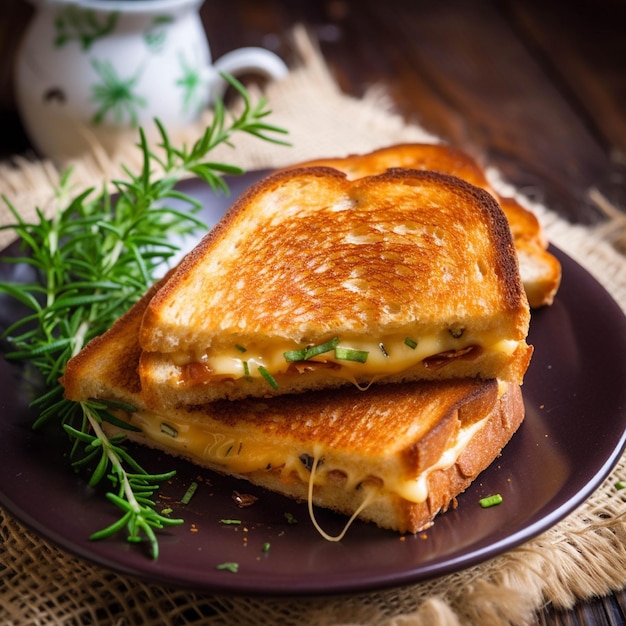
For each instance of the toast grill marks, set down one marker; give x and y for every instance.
(540, 270)
(394, 445)
(358, 260)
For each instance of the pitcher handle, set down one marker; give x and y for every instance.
(250, 60)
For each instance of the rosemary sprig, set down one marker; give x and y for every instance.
(89, 263)
(135, 489)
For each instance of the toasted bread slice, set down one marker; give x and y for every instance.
(402, 276)
(540, 270)
(400, 453)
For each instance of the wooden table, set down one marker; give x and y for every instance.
(536, 89)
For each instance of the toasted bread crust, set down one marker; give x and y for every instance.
(355, 258)
(541, 271)
(100, 370)
(277, 295)
(432, 157)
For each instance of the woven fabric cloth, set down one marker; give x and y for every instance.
(584, 555)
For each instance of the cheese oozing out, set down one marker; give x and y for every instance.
(353, 358)
(222, 448)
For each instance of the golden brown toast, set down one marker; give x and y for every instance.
(414, 270)
(540, 270)
(404, 450)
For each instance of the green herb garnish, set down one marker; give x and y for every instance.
(246, 369)
(341, 354)
(411, 343)
(91, 261)
(230, 522)
(266, 547)
(290, 518)
(490, 501)
(229, 566)
(268, 377)
(310, 351)
(348, 354)
(191, 490)
(294, 355)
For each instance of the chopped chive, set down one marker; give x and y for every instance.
(290, 518)
(246, 369)
(167, 511)
(620, 484)
(348, 354)
(241, 348)
(309, 352)
(490, 501)
(383, 349)
(168, 430)
(266, 546)
(294, 355)
(268, 377)
(230, 522)
(228, 566)
(411, 343)
(186, 499)
(312, 351)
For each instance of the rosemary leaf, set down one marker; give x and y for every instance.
(92, 260)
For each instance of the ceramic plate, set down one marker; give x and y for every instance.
(571, 438)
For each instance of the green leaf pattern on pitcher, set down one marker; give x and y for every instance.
(192, 85)
(115, 95)
(82, 25)
(155, 36)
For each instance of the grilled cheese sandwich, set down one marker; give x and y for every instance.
(211, 443)
(396, 457)
(314, 281)
(244, 359)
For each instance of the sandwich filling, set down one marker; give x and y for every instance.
(353, 359)
(220, 448)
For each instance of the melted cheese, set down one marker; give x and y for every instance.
(385, 355)
(417, 490)
(245, 455)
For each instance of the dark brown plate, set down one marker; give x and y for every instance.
(573, 434)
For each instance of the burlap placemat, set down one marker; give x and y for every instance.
(582, 556)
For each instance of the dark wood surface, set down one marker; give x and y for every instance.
(531, 88)
(535, 88)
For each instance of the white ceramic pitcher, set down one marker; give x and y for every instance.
(100, 68)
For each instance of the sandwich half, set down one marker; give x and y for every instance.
(395, 456)
(540, 270)
(312, 281)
